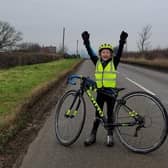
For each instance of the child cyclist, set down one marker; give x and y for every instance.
(105, 77)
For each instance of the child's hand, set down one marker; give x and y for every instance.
(123, 36)
(85, 37)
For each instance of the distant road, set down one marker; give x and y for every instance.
(45, 152)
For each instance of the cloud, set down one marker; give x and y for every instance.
(42, 21)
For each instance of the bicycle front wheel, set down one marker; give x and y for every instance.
(151, 134)
(70, 117)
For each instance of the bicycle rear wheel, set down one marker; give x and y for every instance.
(70, 117)
(154, 132)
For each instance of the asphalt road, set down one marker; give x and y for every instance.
(46, 152)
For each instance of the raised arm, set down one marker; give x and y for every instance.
(86, 42)
(122, 41)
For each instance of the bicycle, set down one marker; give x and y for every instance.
(132, 121)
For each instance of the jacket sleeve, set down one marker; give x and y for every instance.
(91, 53)
(118, 54)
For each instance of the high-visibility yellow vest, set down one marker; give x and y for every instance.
(106, 77)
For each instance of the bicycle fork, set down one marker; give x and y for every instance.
(72, 113)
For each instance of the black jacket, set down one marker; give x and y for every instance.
(116, 58)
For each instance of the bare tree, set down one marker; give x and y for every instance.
(144, 38)
(8, 35)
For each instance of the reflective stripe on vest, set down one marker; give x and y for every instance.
(105, 77)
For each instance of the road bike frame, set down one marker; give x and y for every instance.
(138, 120)
(131, 113)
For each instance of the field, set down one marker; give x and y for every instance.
(17, 84)
(157, 59)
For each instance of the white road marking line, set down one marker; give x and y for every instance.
(140, 86)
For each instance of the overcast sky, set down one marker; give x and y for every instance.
(42, 20)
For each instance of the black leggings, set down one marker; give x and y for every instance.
(101, 99)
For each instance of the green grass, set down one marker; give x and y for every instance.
(17, 83)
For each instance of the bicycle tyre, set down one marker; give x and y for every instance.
(160, 106)
(60, 105)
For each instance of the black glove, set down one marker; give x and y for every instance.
(123, 36)
(85, 37)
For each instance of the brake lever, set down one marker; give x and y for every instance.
(71, 81)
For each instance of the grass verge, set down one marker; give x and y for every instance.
(158, 64)
(21, 87)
